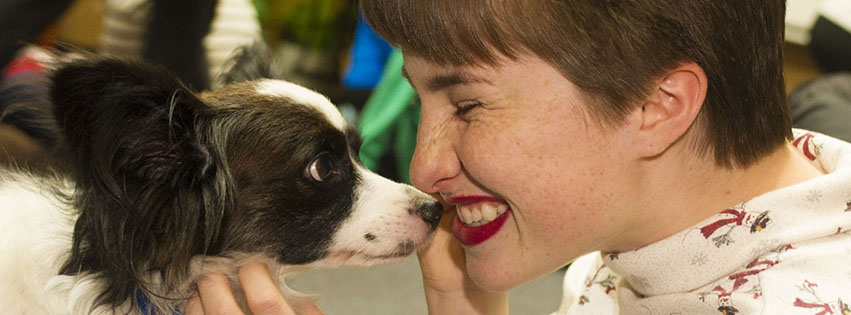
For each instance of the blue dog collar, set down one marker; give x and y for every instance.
(144, 303)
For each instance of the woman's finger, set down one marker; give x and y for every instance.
(193, 306)
(216, 296)
(261, 292)
(309, 308)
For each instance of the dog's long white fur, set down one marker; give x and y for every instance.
(37, 226)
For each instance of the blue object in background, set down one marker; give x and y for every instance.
(368, 55)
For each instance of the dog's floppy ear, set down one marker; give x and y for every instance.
(144, 172)
(132, 117)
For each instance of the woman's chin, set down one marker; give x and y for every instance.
(494, 280)
(496, 276)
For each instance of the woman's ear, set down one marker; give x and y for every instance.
(670, 109)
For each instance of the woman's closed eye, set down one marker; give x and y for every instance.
(462, 108)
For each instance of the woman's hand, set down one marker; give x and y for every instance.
(448, 288)
(214, 295)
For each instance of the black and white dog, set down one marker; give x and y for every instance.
(165, 184)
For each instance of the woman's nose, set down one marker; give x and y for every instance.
(435, 161)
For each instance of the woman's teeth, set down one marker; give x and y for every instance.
(478, 216)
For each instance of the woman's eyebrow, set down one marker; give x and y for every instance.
(443, 81)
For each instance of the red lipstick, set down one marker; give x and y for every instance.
(474, 235)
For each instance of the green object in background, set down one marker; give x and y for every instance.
(262, 8)
(314, 24)
(389, 120)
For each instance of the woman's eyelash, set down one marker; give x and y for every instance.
(466, 107)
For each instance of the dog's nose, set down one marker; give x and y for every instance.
(430, 211)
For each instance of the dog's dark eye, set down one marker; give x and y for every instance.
(321, 168)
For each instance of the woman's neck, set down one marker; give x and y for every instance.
(675, 193)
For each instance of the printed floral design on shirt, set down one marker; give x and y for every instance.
(814, 302)
(733, 218)
(699, 259)
(808, 148)
(607, 284)
(736, 283)
(814, 196)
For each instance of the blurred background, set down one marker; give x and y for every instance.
(325, 45)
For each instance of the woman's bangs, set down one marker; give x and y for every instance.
(452, 32)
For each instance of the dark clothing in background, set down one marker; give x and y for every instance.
(23, 21)
(824, 105)
(830, 46)
(175, 38)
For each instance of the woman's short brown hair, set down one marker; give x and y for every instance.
(614, 50)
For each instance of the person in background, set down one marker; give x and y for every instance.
(192, 38)
(649, 142)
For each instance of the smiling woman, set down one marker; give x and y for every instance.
(522, 111)
(649, 141)
(522, 150)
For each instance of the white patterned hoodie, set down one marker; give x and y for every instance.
(787, 251)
